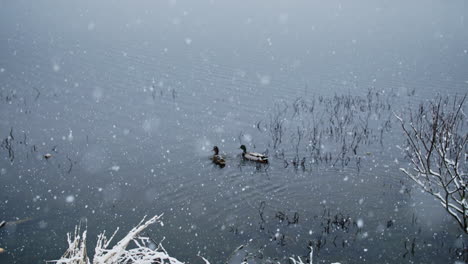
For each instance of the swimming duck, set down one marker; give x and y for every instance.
(253, 156)
(218, 159)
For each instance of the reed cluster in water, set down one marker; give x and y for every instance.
(328, 130)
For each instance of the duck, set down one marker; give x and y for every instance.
(218, 159)
(253, 156)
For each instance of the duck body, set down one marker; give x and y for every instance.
(253, 156)
(218, 159)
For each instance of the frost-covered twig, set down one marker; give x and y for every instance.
(437, 147)
(311, 258)
(299, 260)
(141, 254)
(76, 252)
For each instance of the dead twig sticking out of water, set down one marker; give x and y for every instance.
(330, 129)
(318, 243)
(7, 144)
(11, 134)
(298, 139)
(38, 93)
(283, 217)
(153, 92)
(337, 222)
(261, 208)
(258, 125)
(174, 94)
(409, 248)
(71, 164)
(276, 127)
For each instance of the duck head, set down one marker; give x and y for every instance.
(243, 148)
(216, 150)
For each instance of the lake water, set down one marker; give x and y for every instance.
(130, 98)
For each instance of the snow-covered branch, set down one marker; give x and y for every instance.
(143, 252)
(437, 148)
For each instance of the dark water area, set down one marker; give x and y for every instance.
(130, 98)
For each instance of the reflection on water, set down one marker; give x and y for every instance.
(130, 108)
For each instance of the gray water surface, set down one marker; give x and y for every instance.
(130, 97)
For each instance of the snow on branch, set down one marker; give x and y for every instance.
(299, 260)
(120, 253)
(437, 148)
(141, 254)
(76, 252)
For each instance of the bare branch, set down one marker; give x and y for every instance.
(436, 143)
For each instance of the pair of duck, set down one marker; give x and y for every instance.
(252, 156)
